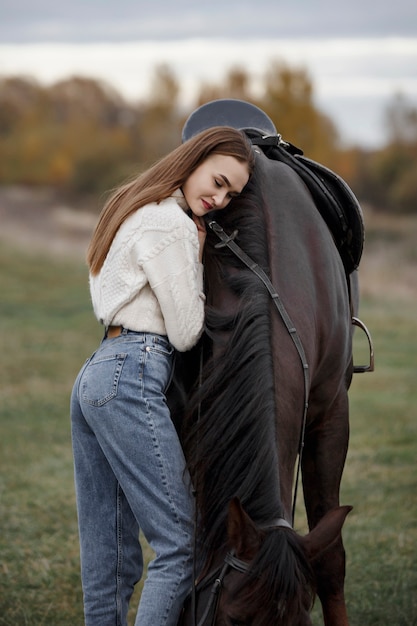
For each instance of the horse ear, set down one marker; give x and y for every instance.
(325, 533)
(244, 538)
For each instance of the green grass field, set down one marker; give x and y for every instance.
(47, 330)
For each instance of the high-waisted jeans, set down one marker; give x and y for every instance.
(130, 475)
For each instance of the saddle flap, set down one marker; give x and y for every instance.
(351, 232)
(334, 199)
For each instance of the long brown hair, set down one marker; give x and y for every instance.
(161, 180)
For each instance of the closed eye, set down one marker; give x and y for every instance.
(220, 183)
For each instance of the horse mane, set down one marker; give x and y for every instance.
(230, 442)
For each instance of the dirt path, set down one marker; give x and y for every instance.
(39, 221)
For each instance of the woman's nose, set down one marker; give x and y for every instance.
(220, 199)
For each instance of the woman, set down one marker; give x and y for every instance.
(146, 282)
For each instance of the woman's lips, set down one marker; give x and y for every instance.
(207, 206)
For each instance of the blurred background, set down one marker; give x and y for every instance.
(92, 92)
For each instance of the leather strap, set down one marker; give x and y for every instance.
(228, 240)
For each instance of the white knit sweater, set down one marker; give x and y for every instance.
(151, 279)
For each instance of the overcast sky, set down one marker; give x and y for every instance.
(121, 20)
(357, 52)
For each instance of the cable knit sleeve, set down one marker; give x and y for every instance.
(172, 267)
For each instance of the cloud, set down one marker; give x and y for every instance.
(129, 20)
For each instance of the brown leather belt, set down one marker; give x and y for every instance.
(114, 331)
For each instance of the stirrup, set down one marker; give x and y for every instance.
(360, 369)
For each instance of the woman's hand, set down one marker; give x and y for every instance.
(201, 231)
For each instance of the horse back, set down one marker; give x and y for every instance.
(307, 271)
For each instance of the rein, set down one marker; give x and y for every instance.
(228, 241)
(230, 562)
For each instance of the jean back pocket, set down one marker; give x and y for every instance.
(100, 380)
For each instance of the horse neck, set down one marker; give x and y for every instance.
(233, 451)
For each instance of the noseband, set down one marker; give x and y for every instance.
(230, 562)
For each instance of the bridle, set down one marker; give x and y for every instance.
(216, 578)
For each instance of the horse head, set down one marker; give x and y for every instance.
(270, 580)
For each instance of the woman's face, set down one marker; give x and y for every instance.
(214, 183)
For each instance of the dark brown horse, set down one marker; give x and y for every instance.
(258, 390)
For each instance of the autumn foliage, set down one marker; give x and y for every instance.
(81, 136)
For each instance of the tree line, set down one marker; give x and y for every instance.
(81, 136)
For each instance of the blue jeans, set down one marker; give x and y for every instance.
(130, 475)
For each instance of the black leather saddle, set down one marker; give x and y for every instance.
(334, 199)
